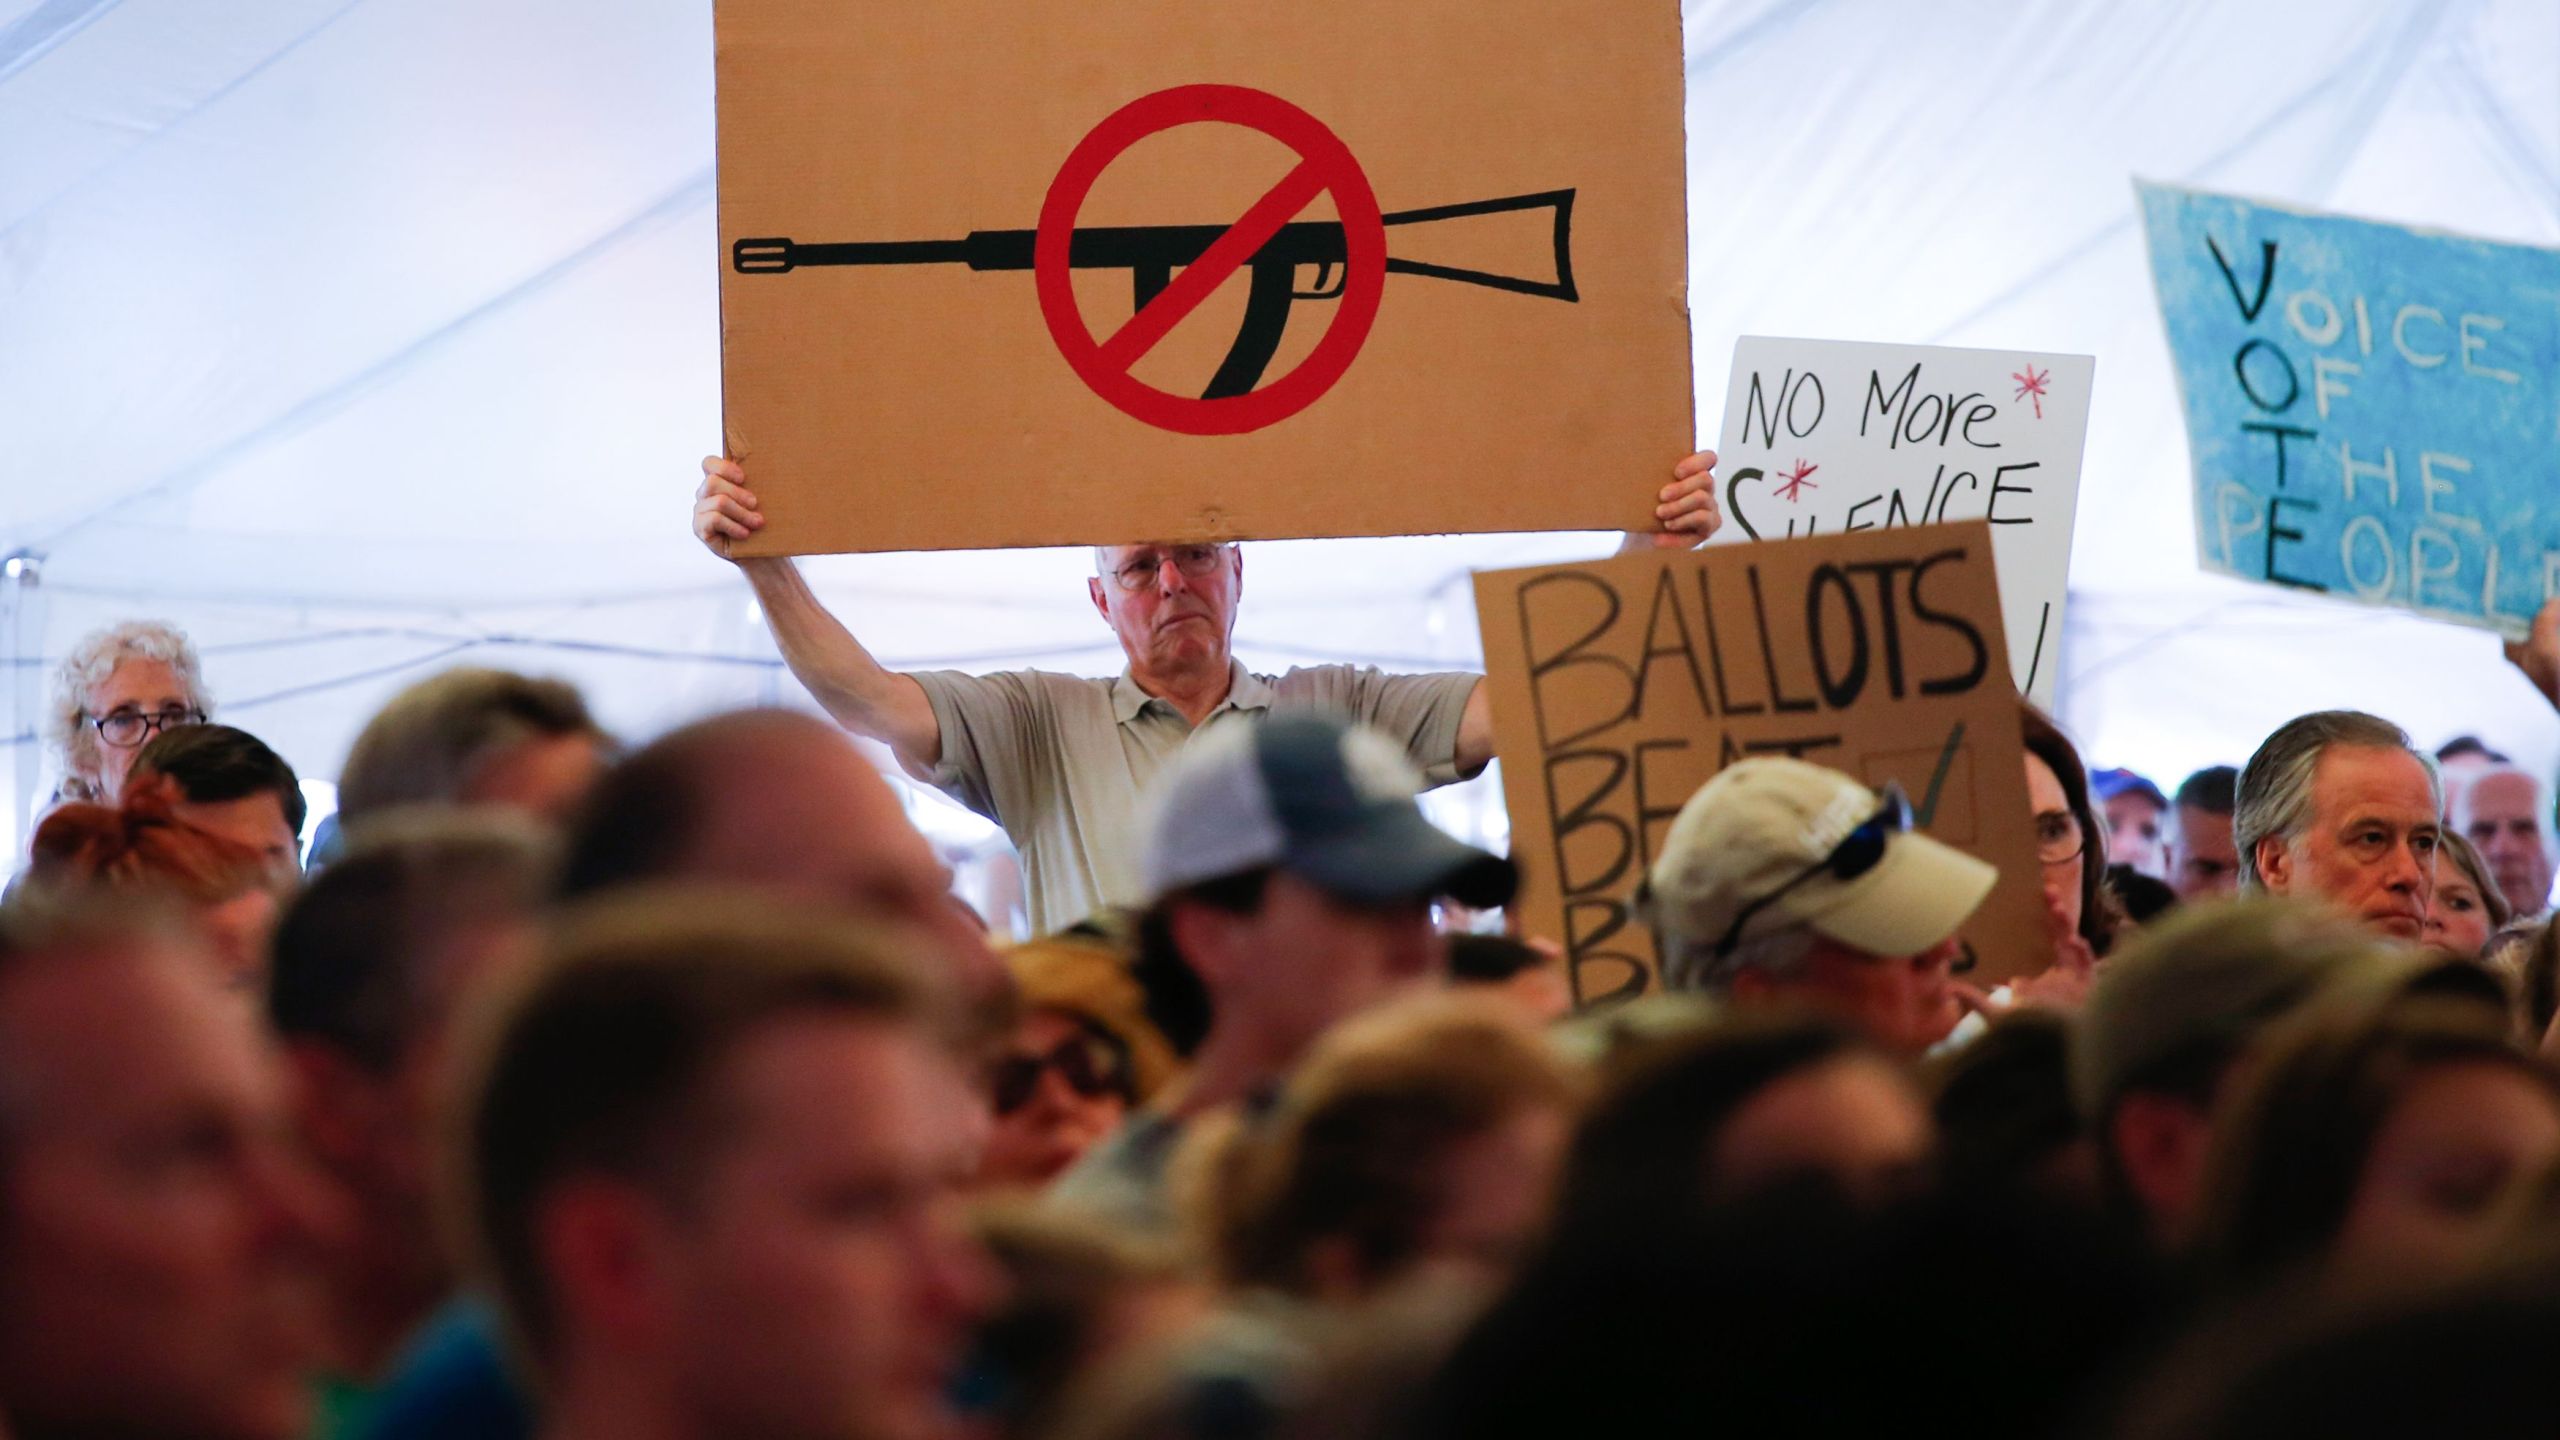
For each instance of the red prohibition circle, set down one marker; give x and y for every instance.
(1325, 164)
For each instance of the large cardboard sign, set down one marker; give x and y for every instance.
(997, 274)
(1827, 437)
(1620, 686)
(2374, 411)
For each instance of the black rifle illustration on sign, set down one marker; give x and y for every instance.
(1151, 253)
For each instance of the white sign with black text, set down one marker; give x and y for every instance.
(1826, 436)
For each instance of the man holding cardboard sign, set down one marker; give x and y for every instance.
(1236, 272)
(1062, 761)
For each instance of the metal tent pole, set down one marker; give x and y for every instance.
(22, 721)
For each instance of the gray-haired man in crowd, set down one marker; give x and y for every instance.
(1783, 880)
(2337, 804)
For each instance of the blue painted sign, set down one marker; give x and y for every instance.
(2374, 410)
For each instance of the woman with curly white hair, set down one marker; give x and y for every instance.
(116, 689)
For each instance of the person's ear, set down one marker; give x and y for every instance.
(2275, 864)
(1206, 937)
(1101, 599)
(2160, 1146)
(340, 1109)
(1334, 1271)
(602, 1246)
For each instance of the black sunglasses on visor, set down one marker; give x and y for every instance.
(1858, 852)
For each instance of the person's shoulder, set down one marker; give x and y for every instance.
(1121, 1178)
(1045, 684)
(1320, 679)
(1081, 697)
(1027, 675)
(1331, 684)
(1139, 1146)
(1061, 680)
(452, 1379)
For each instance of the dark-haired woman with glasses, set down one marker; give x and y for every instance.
(2071, 848)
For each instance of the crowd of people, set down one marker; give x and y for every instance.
(565, 1088)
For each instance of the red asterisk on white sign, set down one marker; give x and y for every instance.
(1795, 481)
(2031, 383)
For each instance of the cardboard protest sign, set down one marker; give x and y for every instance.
(996, 274)
(1620, 686)
(2374, 411)
(1826, 437)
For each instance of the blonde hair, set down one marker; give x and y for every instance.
(91, 661)
(1086, 974)
(2452, 844)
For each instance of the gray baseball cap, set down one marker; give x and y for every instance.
(1329, 802)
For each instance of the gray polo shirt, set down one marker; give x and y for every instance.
(1063, 761)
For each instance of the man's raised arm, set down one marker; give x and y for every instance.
(863, 695)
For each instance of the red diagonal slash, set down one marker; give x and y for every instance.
(1223, 258)
(1325, 166)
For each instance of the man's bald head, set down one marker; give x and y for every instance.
(776, 801)
(771, 798)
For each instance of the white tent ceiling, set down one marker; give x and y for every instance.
(359, 336)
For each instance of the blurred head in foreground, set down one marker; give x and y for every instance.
(161, 1244)
(711, 1151)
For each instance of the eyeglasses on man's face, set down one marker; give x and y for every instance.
(127, 726)
(1141, 569)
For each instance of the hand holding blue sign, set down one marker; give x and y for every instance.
(2538, 653)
